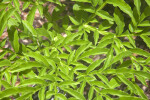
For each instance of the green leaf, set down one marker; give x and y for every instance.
(82, 86)
(105, 25)
(137, 3)
(140, 52)
(4, 62)
(81, 49)
(78, 42)
(104, 15)
(114, 92)
(59, 95)
(108, 59)
(74, 93)
(41, 93)
(145, 13)
(141, 92)
(15, 90)
(30, 17)
(38, 57)
(3, 6)
(95, 2)
(129, 98)
(104, 79)
(96, 37)
(123, 6)
(104, 43)
(132, 41)
(144, 23)
(29, 27)
(5, 18)
(119, 19)
(5, 84)
(94, 65)
(121, 56)
(90, 93)
(142, 74)
(70, 38)
(17, 16)
(114, 83)
(74, 20)
(25, 66)
(89, 1)
(47, 77)
(25, 5)
(148, 2)
(25, 96)
(17, 5)
(146, 39)
(95, 51)
(33, 81)
(72, 83)
(16, 41)
(70, 57)
(127, 82)
(64, 76)
(99, 84)
(40, 8)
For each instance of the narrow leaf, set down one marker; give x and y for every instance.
(94, 65)
(30, 17)
(33, 81)
(74, 93)
(146, 39)
(29, 27)
(119, 19)
(16, 41)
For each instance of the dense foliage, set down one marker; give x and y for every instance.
(85, 50)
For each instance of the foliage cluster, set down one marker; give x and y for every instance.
(64, 67)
